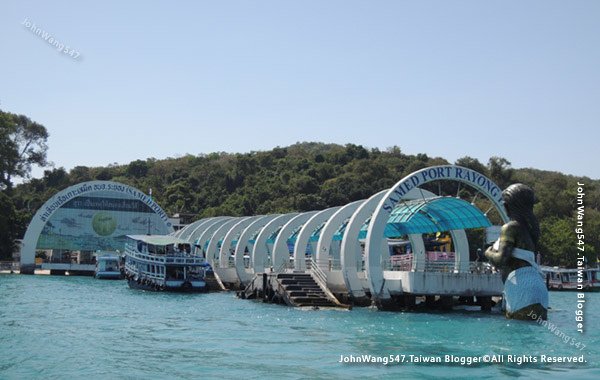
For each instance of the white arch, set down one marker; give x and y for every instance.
(195, 234)
(208, 232)
(233, 232)
(260, 249)
(461, 250)
(330, 228)
(305, 233)
(418, 249)
(350, 249)
(52, 205)
(212, 249)
(281, 252)
(185, 231)
(242, 243)
(374, 244)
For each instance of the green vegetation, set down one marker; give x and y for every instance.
(22, 144)
(308, 176)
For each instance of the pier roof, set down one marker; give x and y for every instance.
(434, 215)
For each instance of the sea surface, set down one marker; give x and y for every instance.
(77, 327)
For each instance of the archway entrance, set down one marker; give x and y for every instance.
(88, 217)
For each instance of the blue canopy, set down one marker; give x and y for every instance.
(434, 215)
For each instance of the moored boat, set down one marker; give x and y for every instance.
(585, 279)
(164, 263)
(108, 266)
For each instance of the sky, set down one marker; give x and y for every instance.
(517, 79)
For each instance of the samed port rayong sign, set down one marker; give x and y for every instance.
(449, 172)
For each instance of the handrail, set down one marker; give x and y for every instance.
(327, 264)
(321, 279)
(218, 279)
(9, 265)
(282, 268)
(318, 273)
(441, 266)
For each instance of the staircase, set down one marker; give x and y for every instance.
(300, 289)
(213, 282)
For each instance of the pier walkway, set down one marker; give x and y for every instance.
(401, 244)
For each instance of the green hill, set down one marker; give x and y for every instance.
(310, 175)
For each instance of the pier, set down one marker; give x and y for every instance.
(401, 248)
(368, 252)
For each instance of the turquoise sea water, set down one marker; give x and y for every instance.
(79, 327)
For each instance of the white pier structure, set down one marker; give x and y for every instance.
(350, 249)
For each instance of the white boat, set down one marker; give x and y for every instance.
(164, 263)
(108, 266)
(587, 279)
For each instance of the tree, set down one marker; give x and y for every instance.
(7, 227)
(500, 171)
(471, 163)
(22, 145)
(137, 169)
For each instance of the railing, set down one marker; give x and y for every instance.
(249, 289)
(326, 265)
(445, 266)
(283, 267)
(321, 279)
(481, 267)
(439, 266)
(9, 265)
(168, 259)
(318, 274)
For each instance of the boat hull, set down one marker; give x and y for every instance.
(133, 284)
(108, 275)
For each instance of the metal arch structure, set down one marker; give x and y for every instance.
(331, 226)
(235, 231)
(351, 257)
(243, 241)
(350, 248)
(195, 225)
(195, 234)
(208, 232)
(374, 243)
(184, 233)
(281, 253)
(306, 232)
(260, 249)
(55, 203)
(461, 249)
(212, 248)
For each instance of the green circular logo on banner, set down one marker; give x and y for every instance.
(104, 224)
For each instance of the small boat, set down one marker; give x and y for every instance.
(164, 263)
(108, 266)
(585, 279)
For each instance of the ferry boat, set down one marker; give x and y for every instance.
(164, 263)
(108, 266)
(568, 279)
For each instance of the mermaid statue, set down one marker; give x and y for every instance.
(525, 294)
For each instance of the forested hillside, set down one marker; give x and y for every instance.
(308, 176)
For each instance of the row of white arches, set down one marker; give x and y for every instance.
(263, 240)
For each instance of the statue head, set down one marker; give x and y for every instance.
(518, 201)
